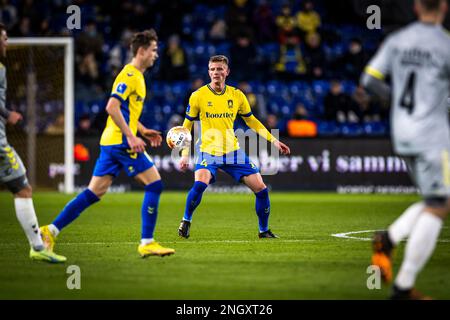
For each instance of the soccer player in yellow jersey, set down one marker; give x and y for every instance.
(120, 148)
(217, 105)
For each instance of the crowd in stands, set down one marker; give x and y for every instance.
(299, 72)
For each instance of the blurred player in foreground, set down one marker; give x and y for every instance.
(120, 148)
(13, 173)
(216, 105)
(417, 58)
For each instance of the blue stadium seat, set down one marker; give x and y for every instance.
(223, 48)
(351, 130)
(321, 87)
(349, 87)
(375, 129)
(97, 106)
(327, 128)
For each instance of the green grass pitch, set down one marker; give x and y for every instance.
(223, 258)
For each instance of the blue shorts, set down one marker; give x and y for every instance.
(113, 158)
(236, 164)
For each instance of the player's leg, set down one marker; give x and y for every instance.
(148, 175)
(205, 172)
(384, 242)
(106, 168)
(96, 189)
(432, 176)
(401, 228)
(420, 247)
(153, 188)
(194, 197)
(12, 174)
(262, 203)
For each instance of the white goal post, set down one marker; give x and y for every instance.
(69, 102)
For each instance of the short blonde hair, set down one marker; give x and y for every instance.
(219, 58)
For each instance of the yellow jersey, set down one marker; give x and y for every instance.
(129, 88)
(217, 112)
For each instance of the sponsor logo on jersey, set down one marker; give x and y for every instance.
(225, 115)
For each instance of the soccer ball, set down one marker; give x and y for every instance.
(178, 137)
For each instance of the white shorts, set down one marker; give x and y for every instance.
(430, 171)
(11, 166)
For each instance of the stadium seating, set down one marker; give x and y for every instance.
(279, 97)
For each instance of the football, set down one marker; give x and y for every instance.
(178, 137)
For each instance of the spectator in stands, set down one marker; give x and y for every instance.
(120, 53)
(57, 127)
(264, 23)
(368, 109)
(100, 119)
(218, 31)
(44, 29)
(88, 85)
(195, 84)
(8, 14)
(23, 28)
(243, 55)
(84, 128)
(301, 125)
(308, 20)
(315, 56)
(285, 23)
(174, 64)
(271, 122)
(90, 41)
(34, 11)
(171, 17)
(338, 105)
(300, 112)
(291, 64)
(238, 19)
(254, 101)
(353, 61)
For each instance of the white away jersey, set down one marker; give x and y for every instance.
(417, 58)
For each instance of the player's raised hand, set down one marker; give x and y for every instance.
(136, 144)
(153, 136)
(184, 163)
(14, 117)
(284, 149)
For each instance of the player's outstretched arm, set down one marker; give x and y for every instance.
(153, 136)
(259, 128)
(113, 108)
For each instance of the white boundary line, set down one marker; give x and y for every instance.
(346, 235)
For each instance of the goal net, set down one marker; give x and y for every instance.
(40, 87)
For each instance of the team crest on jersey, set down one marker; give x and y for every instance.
(209, 104)
(230, 104)
(121, 87)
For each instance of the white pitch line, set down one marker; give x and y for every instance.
(345, 235)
